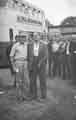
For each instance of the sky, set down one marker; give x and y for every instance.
(56, 10)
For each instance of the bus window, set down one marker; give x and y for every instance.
(11, 34)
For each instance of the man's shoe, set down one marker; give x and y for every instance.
(42, 100)
(30, 98)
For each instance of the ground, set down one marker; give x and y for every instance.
(59, 105)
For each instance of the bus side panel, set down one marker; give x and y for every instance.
(4, 44)
(4, 56)
(4, 33)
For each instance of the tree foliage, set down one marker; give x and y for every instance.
(69, 21)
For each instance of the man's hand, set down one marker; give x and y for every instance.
(42, 60)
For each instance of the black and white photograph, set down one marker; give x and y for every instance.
(37, 59)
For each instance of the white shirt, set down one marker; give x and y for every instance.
(55, 47)
(19, 51)
(36, 49)
(67, 49)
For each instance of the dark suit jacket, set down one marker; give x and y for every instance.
(72, 47)
(42, 57)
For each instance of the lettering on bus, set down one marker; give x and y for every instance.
(27, 20)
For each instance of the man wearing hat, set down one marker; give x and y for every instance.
(37, 61)
(18, 56)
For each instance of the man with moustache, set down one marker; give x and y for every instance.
(18, 57)
(37, 61)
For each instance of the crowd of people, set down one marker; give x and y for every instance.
(61, 57)
(29, 57)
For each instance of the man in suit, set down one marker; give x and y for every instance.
(73, 59)
(37, 59)
(67, 59)
(50, 56)
(56, 65)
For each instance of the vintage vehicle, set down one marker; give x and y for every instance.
(17, 18)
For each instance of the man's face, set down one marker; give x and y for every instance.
(22, 40)
(37, 39)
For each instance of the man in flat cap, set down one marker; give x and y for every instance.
(18, 57)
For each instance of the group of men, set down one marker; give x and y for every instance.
(28, 58)
(62, 58)
(59, 58)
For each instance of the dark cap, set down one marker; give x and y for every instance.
(20, 37)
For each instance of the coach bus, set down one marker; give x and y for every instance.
(17, 18)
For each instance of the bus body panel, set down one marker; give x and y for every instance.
(14, 22)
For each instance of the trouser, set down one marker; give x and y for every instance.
(50, 65)
(41, 72)
(66, 67)
(43, 85)
(73, 66)
(20, 78)
(56, 65)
